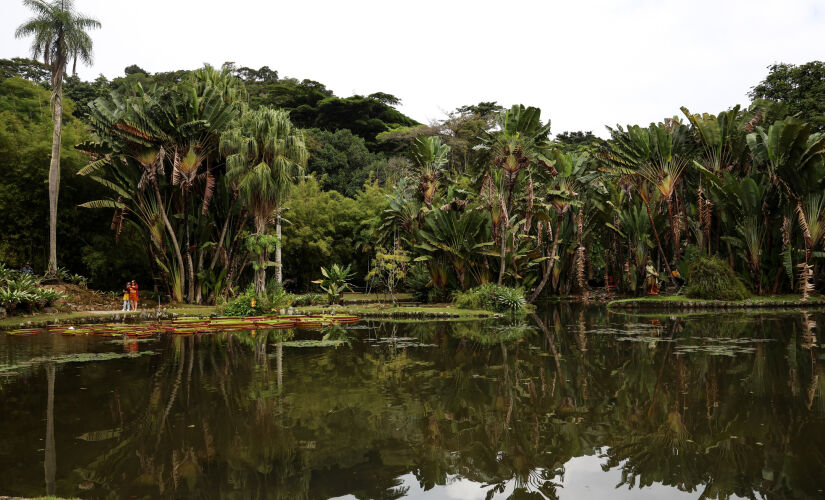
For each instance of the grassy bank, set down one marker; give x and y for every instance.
(401, 311)
(681, 302)
(78, 317)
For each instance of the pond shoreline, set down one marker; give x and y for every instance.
(94, 317)
(681, 303)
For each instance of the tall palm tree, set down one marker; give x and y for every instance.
(59, 34)
(265, 154)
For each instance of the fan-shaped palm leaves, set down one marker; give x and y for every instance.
(455, 235)
(429, 156)
(651, 158)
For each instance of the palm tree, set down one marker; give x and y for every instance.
(520, 142)
(429, 156)
(265, 154)
(650, 158)
(59, 33)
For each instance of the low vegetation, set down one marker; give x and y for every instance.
(20, 292)
(711, 278)
(491, 297)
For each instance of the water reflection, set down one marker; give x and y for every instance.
(566, 403)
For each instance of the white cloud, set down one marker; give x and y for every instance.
(585, 63)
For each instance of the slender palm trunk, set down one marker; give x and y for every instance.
(54, 170)
(260, 271)
(279, 273)
(505, 220)
(173, 237)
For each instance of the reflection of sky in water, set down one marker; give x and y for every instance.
(722, 404)
(583, 479)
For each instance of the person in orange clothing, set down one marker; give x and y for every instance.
(133, 295)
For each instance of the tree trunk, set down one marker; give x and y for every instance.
(503, 254)
(279, 274)
(659, 244)
(173, 237)
(260, 271)
(673, 232)
(199, 287)
(190, 290)
(216, 255)
(548, 270)
(54, 170)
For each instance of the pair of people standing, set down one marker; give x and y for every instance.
(130, 296)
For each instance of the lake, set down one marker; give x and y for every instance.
(573, 402)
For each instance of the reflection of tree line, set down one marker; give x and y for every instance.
(235, 415)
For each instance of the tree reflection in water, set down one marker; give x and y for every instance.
(716, 406)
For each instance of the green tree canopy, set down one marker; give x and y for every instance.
(801, 88)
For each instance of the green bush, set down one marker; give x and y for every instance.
(249, 303)
(492, 297)
(11, 298)
(276, 296)
(711, 278)
(242, 305)
(308, 299)
(418, 282)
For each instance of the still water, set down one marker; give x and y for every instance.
(571, 403)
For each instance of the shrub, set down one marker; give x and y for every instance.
(245, 304)
(45, 297)
(66, 276)
(249, 303)
(711, 278)
(11, 298)
(276, 297)
(308, 299)
(418, 282)
(492, 297)
(7, 274)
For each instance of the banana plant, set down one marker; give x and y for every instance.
(335, 282)
(791, 154)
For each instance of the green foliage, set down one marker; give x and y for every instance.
(801, 88)
(245, 304)
(418, 282)
(341, 159)
(492, 297)
(711, 278)
(18, 290)
(308, 299)
(276, 297)
(325, 226)
(389, 269)
(335, 281)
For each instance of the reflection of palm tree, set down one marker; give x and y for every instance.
(50, 462)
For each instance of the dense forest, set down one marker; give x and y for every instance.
(162, 180)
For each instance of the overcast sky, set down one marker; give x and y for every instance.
(585, 63)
